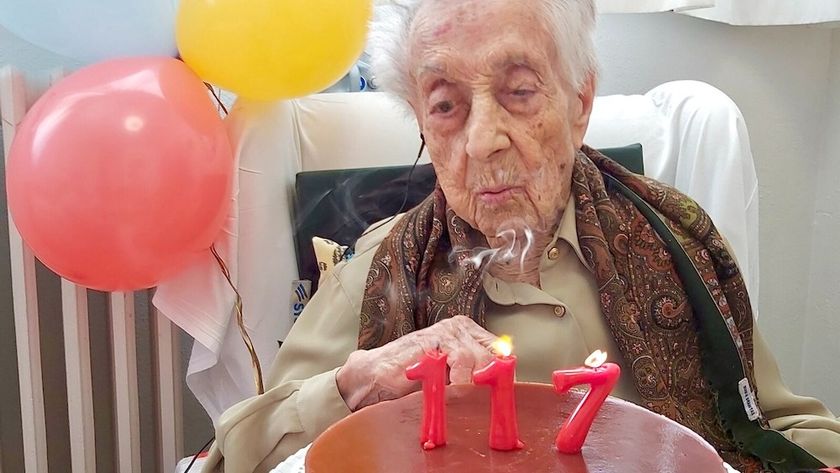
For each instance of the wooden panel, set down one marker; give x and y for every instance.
(79, 383)
(25, 299)
(169, 385)
(126, 402)
(74, 309)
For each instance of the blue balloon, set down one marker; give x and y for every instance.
(94, 30)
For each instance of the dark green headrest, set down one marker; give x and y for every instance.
(340, 204)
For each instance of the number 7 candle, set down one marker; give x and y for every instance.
(602, 378)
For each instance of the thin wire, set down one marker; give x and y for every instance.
(410, 174)
(405, 195)
(240, 322)
(195, 457)
(240, 319)
(216, 96)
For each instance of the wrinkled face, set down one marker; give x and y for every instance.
(501, 121)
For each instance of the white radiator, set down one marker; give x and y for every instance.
(166, 376)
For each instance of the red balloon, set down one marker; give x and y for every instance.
(121, 173)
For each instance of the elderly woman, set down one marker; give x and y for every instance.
(532, 234)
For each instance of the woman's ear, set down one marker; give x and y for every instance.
(582, 109)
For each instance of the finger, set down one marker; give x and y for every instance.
(408, 349)
(468, 326)
(479, 354)
(462, 362)
(465, 343)
(460, 374)
(459, 358)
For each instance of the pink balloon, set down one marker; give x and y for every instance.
(121, 173)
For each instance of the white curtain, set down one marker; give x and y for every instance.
(650, 6)
(736, 12)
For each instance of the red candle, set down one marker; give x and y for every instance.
(499, 375)
(431, 370)
(601, 377)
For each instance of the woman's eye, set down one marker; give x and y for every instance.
(443, 107)
(522, 93)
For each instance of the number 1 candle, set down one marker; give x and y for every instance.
(431, 370)
(500, 376)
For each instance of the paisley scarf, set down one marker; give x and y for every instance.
(670, 291)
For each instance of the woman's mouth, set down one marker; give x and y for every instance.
(497, 195)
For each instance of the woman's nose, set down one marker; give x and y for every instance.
(486, 130)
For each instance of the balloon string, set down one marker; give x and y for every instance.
(216, 96)
(240, 319)
(240, 322)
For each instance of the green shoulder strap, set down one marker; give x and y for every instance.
(721, 362)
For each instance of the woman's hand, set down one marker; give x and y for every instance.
(371, 376)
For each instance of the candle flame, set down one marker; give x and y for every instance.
(503, 346)
(596, 359)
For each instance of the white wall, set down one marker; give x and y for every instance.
(822, 330)
(27, 57)
(779, 77)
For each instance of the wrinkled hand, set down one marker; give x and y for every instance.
(371, 376)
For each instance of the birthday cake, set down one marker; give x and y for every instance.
(624, 438)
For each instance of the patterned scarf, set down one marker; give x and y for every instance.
(416, 280)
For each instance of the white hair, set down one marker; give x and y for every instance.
(572, 23)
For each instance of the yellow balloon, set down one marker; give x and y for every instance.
(272, 49)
